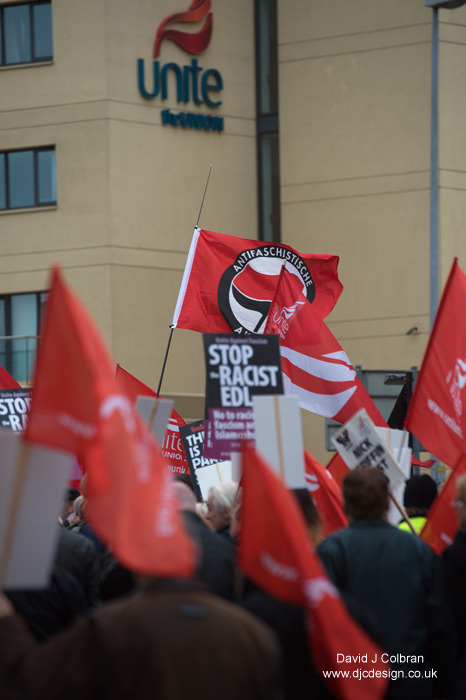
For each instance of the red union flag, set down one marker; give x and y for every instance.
(436, 415)
(326, 495)
(7, 381)
(315, 367)
(229, 282)
(77, 406)
(442, 523)
(276, 553)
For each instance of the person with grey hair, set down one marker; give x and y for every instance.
(220, 504)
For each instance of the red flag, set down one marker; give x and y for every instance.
(337, 468)
(229, 282)
(435, 414)
(172, 448)
(442, 522)
(276, 553)
(326, 495)
(315, 367)
(77, 406)
(7, 381)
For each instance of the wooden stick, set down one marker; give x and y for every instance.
(279, 437)
(403, 513)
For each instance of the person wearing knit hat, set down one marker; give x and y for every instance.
(420, 491)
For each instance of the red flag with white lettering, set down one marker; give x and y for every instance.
(315, 367)
(442, 523)
(435, 414)
(77, 406)
(276, 553)
(229, 282)
(326, 495)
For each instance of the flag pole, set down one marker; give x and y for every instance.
(172, 327)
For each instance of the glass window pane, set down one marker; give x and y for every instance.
(17, 34)
(1, 41)
(42, 31)
(21, 178)
(23, 322)
(2, 182)
(23, 314)
(46, 177)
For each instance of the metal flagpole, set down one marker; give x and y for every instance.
(172, 327)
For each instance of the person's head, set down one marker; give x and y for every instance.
(69, 498)
(185, 479)
(79, 508)
(365, 493)
(185, 495)
(460, 501)
(220, 504)
(310, 513)
(420, 491)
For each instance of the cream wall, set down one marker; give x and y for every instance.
(355, 86)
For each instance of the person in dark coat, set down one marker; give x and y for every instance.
(171, 642)
(397, 576)
(216, 562)
(454, 571)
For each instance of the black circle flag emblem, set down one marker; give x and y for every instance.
(246, 288)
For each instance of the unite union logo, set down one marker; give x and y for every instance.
(191, 83)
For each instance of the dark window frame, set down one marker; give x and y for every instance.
(6, 174)
(34, 59)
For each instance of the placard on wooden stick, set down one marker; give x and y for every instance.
(279, 436)
(33, 480)
(156, 413)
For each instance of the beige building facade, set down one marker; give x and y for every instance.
(354, 139)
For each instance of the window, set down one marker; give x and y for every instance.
(25, 33)
(27, 178)
(20, 319)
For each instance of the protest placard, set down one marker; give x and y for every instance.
(237, 368)
(192, 436)
(156, 413)
(279, 437)
(359, 442)
(32, 483)
(14, 406)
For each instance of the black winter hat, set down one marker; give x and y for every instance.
(420, 491)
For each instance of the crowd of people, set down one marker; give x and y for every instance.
(102, 631)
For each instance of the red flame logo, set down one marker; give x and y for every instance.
(192, 43)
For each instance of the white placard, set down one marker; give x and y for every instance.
(156, 413)
(359, 442)
(33, 480)
(213, 474)
(279, 436)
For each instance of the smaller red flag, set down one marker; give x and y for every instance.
(442, 523)
(326, 495)
(7, 381)
(338, 468)
(276, 553)
(314, 365)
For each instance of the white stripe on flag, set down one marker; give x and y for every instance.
(186, 275)
(329, 371)
(327, 405)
